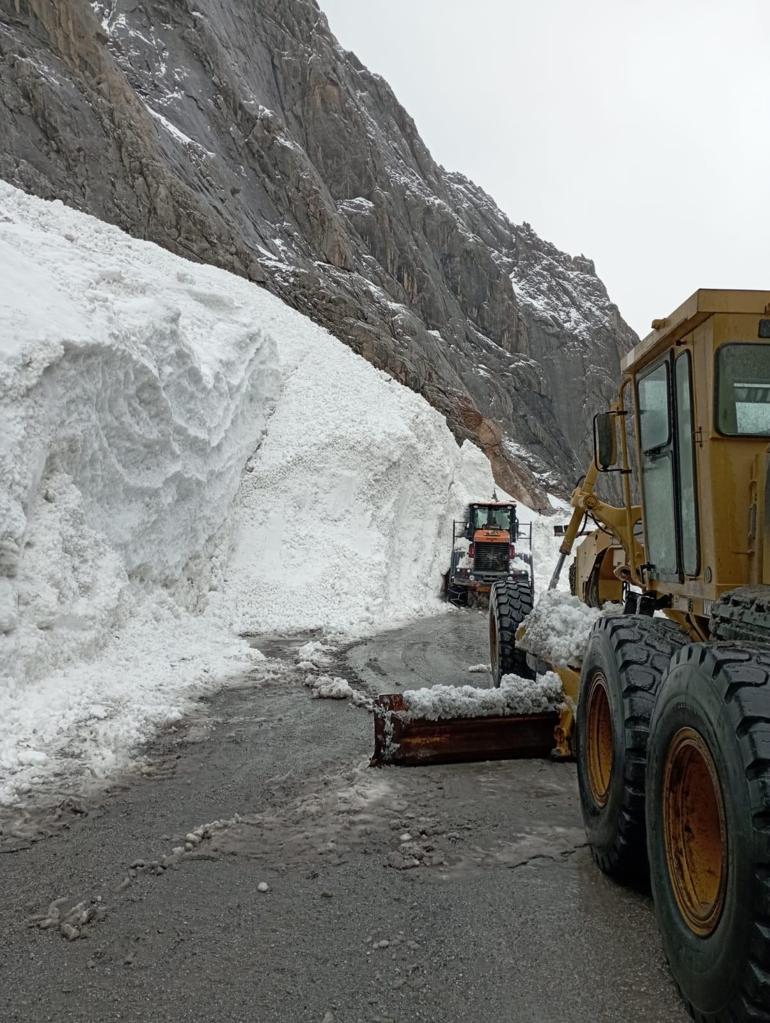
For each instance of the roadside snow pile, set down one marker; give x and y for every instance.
(344, 516)
(515, 696)
(134, 388)
(558, 627)
(545, 546)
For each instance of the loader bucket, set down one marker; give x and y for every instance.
(413, 742)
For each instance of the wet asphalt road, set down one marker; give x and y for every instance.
(504, 920)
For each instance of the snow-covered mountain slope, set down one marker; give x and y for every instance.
(184, 458)
(244, 135)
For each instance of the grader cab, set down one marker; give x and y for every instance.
(672, 729)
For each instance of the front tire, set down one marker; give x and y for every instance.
(510, 601)
(708, 829)
(626, 659)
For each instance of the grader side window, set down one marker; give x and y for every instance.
(743, 390)
(656, 441)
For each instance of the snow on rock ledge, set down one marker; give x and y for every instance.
(134, 388)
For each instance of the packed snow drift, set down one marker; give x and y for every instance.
(184, 459)
(558, 627)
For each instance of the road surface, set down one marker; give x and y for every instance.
(504, 920)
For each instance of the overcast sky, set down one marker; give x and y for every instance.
(636, 132)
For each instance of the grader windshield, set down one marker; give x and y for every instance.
(743, 390)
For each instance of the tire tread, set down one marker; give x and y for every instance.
(510, 601)
(642, 648)
(741, 673)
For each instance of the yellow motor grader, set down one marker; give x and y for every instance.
(668, 715)
(672, 731)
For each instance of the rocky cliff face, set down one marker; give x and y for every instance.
(243, 135)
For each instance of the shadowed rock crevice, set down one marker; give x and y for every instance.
(243, 135)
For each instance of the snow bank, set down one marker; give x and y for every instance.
(558, 627)
(344, 516)
(134, 388)
(545, 546)
(515, 696)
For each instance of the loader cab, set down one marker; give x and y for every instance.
(491, 518)
(484, 551)
(697, 393)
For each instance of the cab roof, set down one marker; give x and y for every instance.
(493, 504)
(690, 314)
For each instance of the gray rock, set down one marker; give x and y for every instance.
(243, 135)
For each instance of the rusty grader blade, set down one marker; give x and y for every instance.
(408, 741)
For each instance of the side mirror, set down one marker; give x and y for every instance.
(605, 441)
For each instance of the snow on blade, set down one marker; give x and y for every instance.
(514, 697)
(558, 627)
(183, 458)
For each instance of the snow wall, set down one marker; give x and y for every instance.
(183, 459)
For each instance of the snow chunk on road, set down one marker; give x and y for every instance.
(558, 627)
(515, 696)
(479, 669)
(328, 687)
(314, 654)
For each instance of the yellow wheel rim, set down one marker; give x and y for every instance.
(694, 831)
(600, 749)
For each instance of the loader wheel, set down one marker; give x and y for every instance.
(626, 658)
(708, 828)
(509, 604)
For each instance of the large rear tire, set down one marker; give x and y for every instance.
(626, 658)
(708, 829)
(509, 604)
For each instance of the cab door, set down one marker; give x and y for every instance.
(664, 400)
